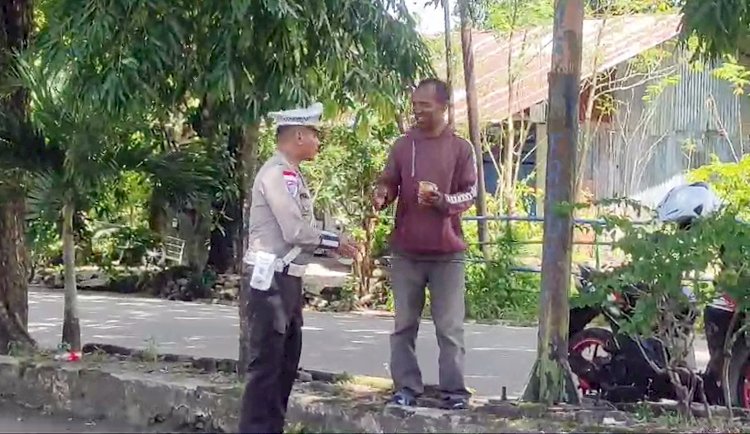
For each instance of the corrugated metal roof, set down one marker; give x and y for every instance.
(615, 39)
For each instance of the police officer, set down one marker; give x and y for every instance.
(282, 240)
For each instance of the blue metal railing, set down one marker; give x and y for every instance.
(596, 242)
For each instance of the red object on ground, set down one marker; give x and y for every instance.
(70, 356)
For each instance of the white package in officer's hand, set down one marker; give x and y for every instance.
(263, 270)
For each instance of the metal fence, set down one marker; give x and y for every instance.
(597, 242)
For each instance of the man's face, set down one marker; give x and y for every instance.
(307, 143)
(428, 111)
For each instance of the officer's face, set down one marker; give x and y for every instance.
(429, 112)
(308, 143)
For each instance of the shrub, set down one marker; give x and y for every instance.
(124, 283)
(730, 180)
(45, 245)
(121, 243)
(660, 261)
(494, 290)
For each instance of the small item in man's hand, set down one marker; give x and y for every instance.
(425, 188)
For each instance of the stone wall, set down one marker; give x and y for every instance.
(177, 397)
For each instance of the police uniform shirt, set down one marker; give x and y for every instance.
(281, 214)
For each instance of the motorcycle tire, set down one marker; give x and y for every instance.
(739, 375)
(584, 339)
(603, 337)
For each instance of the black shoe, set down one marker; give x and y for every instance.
(404, 397)
(455, 403)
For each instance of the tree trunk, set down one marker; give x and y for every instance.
(508, 184)
(449, 61)
(226, 242)
(473, 113)
(249, 152)
(16, 18)
(552, 380)
(158, 220)
(509, 163)
(71, 333)
(195, 229)
(13, 279)
(221, 254)
(587, 135)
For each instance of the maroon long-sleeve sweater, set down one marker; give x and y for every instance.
(447, 161)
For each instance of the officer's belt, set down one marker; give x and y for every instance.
(284, 265)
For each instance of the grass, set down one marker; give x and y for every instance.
(151, 353)
(378, 384)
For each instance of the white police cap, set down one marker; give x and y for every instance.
(308, 117)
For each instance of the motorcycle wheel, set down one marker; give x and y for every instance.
(739, 376)
(594, 337)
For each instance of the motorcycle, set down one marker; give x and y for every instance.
(621, 369)
(717, 318)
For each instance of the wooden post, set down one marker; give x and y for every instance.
(449, 61)
(552, 380)
(473, 113)
(541, 164)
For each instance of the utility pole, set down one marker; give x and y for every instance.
(552, 380)
(449, 61)
(473, 113)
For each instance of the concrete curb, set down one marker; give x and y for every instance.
(120, 395)
(177, 398)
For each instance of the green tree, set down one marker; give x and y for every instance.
(16, 18)
(241, 59)
(342, 178)
(508, 16)
(717, 27)
(80, 149)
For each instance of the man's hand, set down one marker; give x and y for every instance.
(347, 248)
(430, 198)
(379, 197)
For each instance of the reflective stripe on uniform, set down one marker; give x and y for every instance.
(329, 240)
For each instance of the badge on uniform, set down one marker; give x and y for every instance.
(292, 182)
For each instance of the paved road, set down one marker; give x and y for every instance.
(496, 355)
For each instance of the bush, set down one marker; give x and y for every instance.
(494, 290)
(121, 243)
(178, 283)
(45, 245)
(660, 261)
(124, 283)
(730, 180)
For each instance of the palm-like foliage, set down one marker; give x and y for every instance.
(71, 147)
(75, 149)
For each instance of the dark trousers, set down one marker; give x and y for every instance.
(275, 318)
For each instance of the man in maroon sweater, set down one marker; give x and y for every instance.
(432, 172)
